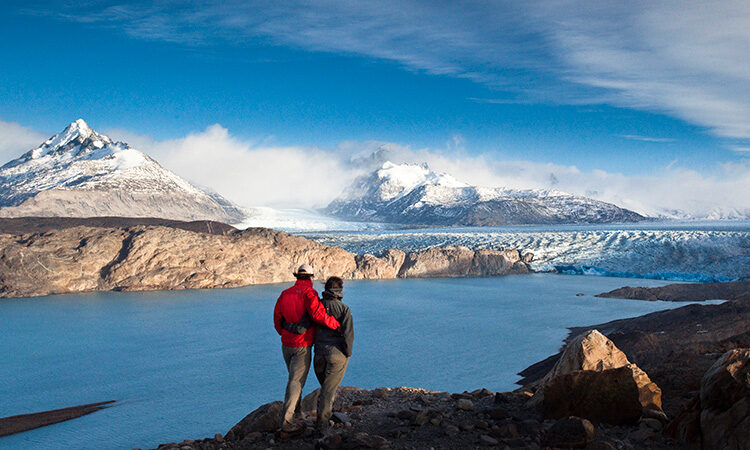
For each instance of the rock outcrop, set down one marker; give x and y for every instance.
(725, 402)
(685, 292)
(594, 380)
(719, 416)
(146, 257)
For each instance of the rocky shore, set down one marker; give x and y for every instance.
(685, 292)
(670, 379)
(134, 256)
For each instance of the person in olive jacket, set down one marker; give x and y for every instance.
(333, 348)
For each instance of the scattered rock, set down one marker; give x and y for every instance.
(466, 426)
(399, 432)
(488, 440)
(381, 392)
(331, 441)
(264, 419)
(451, 430)
(481, 393)
(364, 440)
(465, 395)
(570, 432)
(497, 413)
(465, 404)
(407, 414)
(652, 424)
(655, 414)
(340, 417)
(506, 430)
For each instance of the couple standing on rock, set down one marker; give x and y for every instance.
(303, 320)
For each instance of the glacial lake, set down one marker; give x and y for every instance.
(189, 364)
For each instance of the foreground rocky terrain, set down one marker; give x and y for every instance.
(132, 257)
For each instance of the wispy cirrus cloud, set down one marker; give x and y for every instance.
(638, 137)
(684, 58)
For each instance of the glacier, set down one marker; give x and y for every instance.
(678, 251)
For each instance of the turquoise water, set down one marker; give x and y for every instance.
(189, 364)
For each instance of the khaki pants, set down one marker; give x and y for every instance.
(330, 367)
(298, 364)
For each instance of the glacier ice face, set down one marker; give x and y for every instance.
(79, 172)
(683, 252)
(414, 195)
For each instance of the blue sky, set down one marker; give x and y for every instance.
(629, 90)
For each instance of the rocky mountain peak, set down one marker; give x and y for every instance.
(413, 194)
(81, 173)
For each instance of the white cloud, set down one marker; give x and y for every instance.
(250, 174)
(258, 174)
(16, 139)
(307, 177)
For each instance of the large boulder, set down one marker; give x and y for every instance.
(588, 351)
(593, 379)
(615, 396)
(725, 402)
(267, 418)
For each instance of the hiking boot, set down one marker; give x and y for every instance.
(291, 430)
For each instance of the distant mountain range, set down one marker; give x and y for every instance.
(414, 195)
(81, 173)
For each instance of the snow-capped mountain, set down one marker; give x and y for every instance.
(81, 173)
(415, 195)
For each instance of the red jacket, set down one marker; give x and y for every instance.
(292, 304)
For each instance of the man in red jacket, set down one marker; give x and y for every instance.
(293, 304)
